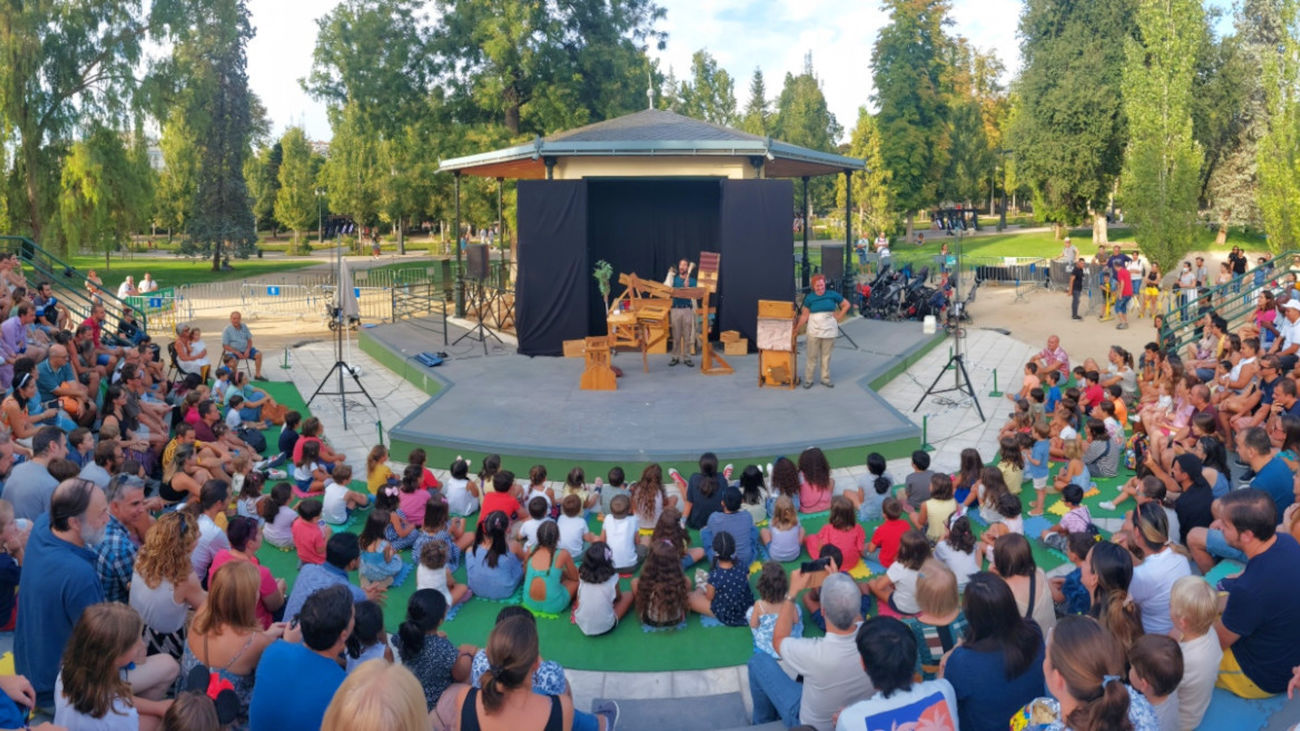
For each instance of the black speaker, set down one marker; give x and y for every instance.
(833, 263)
(476, 262)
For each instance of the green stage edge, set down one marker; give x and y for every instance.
(519, 463)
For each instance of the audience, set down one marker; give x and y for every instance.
(887, 651)
(308, 649)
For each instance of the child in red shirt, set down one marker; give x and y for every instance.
(427, 479)
(500, 497)
(1093, 393)
(842, 531)
(309, 534)
(887, 537)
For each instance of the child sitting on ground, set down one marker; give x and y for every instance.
(1037, 457)
(843, 531)
(538, 513)
(618, 530)
(783, 535)
(1193, 608)
(1053, 389)
(249, 498)
(1011, 462)
(934, 513)
(378, 473)
(990, 487)
(1021, 421)
(537, 487)
(873, 488)
(309, 533)
(413, 498)
(916, 486)
(648, 499)
(428, 481)
(400, 532)
(500, 497)
(599, 604)
(886, 537)
(614, 486)
(1068, 592)
(380, 564)
(1010, 520)
(1037, 405)
(573, 527)
(575, 484)
(340, 500)
(1076, 520)
(462, 494)
(440, 526)
(957, 550)
(1156, 669)
(1030, 381)
(735, 521)
(753, 493)
(1065, 427)
(308, 475)
(435, 573)
(1075, 472)
(367, 640)
(773, 600)
(279, 517)
(670, 530)
(1093, 393)
(661, 590)
(1116, 395)
(897, 588)
(727, 596)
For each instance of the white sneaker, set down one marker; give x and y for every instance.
(726, 471)
(769, 469)
(277, 475)
(1106, 505)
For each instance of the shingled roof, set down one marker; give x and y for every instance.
(653, 133)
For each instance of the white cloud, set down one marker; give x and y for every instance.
(279, 55)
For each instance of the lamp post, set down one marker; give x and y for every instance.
(804, 274)
(320, 214)
(1002, 215)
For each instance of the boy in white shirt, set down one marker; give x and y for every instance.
(537, 514)
(1193, 607)
(619, 530)
(573, 527)
(339, 501)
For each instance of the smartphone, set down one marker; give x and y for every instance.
(809, 567)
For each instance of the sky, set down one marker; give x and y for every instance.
(773, 35)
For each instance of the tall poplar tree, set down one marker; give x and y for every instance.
(1279, 149)
(295, 202)
(710, 94)
(1163, 162)
(803, 118)
(909, 70)
(758, 110)
(872, 205)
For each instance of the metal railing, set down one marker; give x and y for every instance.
(419, 300)
(68, 283)
(1235, 301)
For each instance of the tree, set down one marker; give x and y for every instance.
(803, 118)
(912, 94)
(106, 192)
(351, 172)
(1279, 149)
(262, 172)
(1070, 133)
(295, 202)
(758, 111)
(871, 194)
(176, 182)
(1163, 162)
(710, 95)
(222, 219)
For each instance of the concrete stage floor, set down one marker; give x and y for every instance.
(532, 407)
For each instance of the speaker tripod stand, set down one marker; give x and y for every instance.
(961, 382)
(481, 305)
(340, 367)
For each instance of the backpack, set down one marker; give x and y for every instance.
(1135, 453)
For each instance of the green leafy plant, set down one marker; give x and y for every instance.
(602, 274)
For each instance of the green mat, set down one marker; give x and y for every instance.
(627, 648)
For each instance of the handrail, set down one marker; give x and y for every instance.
(1231, 300)
(28, 251)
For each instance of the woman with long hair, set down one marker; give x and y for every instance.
(662, 589)
(180, 482)
(1085, 674)
(245, 538)
(506, 701)
(815, 482)
(1001, 646)
(1107, 573)
(164, 587)
(703, 492)
(1013, 560)
(91, 690)
(492, 569)
(226, 636)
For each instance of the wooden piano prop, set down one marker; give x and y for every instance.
(777, 350)
(598, 375)
(638, 317)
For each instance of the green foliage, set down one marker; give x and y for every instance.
(1070, 132)
(106, 192)
(295, 202)
(872, 204)
(1279, 149)
(710, 95)
(351, 172)
(1162, 167)
(177, 181)
(758, 110)
(1229, 115)
(262, 172)
(803, 118)
(912, 92)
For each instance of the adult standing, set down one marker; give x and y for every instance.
(1258, 631)
(237, 340)
(830, 665)
(1077, 274)
(115, 554)
(30, 484)
(127, 288)
(308, 650)
(58, 581)
(682, 318)
(1125, 280)
(1160, 567)
(822, 311)
(999, 666)
(1053, 358)
(1202, 272)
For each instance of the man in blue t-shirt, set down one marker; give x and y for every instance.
(822, 311)
(1272, 477)
(682, 318)
(1258, 630)
(298, 675)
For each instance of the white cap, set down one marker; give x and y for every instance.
(1291, 305)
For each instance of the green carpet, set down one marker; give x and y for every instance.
(627, 648)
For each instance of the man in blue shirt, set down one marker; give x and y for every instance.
(822, 312)
(1272, 477)
(58, 581)
(309, 652)
(682, 318)
(342, 554)
(1258, 630)
(55, 377)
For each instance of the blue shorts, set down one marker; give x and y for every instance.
(102, 359)
(1121, 305)
(252, 353)
(1217, 545)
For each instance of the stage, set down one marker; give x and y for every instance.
(530, 409)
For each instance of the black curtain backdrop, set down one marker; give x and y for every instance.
(757, 250)
(644, 227)
(551, 291)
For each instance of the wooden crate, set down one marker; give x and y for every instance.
(729, 336)
(575, 348)
(736, 347)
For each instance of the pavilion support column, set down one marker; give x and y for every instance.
(460, 273)
(848, 224)
(501, 232)
(805, 274)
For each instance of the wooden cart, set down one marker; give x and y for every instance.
(777, 348)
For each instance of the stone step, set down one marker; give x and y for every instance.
(700, 713)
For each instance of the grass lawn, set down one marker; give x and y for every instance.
(172, 271)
